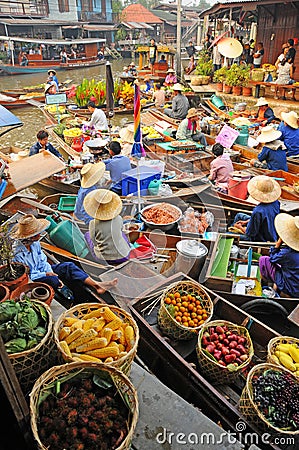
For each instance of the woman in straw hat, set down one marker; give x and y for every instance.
(127, 139)
(264, 114)
(116, 165)
(282, 266)
(28, 251)
(189, 128)
(170, 78)
(52, 73)
(273, 155)
(91, 174)
(180, 104)
(108, 242)
(259, 227)
(290, 132)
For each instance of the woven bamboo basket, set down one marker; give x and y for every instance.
(78, 311)
(30, 364)
(248, 407)
(257, 74)
(212, 369)
(121, 382)
(273, 343)
(196, 80)
(169, 325)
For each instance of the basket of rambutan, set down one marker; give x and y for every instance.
(83, 405)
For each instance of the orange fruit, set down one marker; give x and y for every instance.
(189, 297)
(184, 319)
(179, 313)
(173, 301)
(178, 319)
(197, 302)
(176, 308)
(201, 322)
(185, 324)
(167, 301)
(191, 323)
(177, 295)
(199, 317)
(171, 296)
(194, 315)
(182, 309)
(204, 316)
(190, 307)
(204, 311)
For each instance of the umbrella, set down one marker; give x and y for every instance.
(230, 47)
(137, 149)
(109, 94)
(218, 38)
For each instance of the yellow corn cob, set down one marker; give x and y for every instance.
(77, 325)
(109, 360)
(99, 324)
(122, 348)
(95, 313)
(107, 333)
(121, 354)
(115, 324)
(85, 337)
(122, 339)
(94, 344)
(74, 358)
(108, 314)
(63, 333)
(89, 323)
(74, 335)
(65, 348)
(113, 344)
(69, 321)
(116, 335)
(104, 352)
(85, 357)
(130, 337)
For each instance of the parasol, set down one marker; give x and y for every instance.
(218, 38)
(109, 94)
(137, 149)
(230, 47)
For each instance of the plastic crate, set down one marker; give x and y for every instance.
(146, 175)
(67, 203)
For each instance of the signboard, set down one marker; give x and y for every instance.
(55, 99)
(227, 136)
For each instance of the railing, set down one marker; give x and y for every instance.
(99, 17)
(32, 8)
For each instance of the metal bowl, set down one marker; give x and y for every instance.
(164, 227)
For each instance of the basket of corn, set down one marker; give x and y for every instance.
(270, 399)
(26, 328)
(223, 351)
(284, 351)
(97, 332)
(185, 307)
(83, 405)
(70, 134)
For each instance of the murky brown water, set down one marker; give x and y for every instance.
(32, 117)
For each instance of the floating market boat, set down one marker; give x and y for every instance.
(21, 100)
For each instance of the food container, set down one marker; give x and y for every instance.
(191, 255)
(164, 227)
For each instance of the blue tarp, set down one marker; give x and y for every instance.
(7, 118)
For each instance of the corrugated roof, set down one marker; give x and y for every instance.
(137, 25)
(138, 13)
(35, 22)
(95, 27)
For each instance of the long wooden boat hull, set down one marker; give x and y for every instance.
(21, 103)
(44, 66)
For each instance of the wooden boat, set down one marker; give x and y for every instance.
(36, 63)
(82, 112)
(16, 92)
(160, 69)
(21, 103)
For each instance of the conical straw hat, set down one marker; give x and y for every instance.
(230, 47)
(91, 174)
(290, 118)
(287, 228)
(29, 226)
(102, 204)
(264, 189)
(268, 134)
(127, 133)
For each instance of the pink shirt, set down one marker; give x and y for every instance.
(221, 167)
(159, 97)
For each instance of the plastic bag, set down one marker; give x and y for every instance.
(165, 190)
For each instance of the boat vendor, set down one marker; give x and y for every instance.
(273, 155)
(289, 129)
(180, 104)
(107, 240)
(116, 165)
(170, 78)
(98, 118)
(50, 87)
(265, 114)
(188, 128)
(52, 73)
(259, 226)
(159, 96)
(132, 70)
(125, 72)
(127, 139)
(282, 266)
(220, 168)
(28, 251)
(148, 83)
(43, 144)
(91, 174)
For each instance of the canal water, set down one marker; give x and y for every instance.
(33, 118)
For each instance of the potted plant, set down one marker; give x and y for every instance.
(12, 274)
(237, 77)
(219, 78)
(203, 69)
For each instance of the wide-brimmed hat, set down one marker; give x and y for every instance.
(170, 70)
(125, 68)
(287, 228)
(127, 133)
(192, 112)
(132, 64)
(29, 226)
(49, 85)
(262, 102)
(279, 110)
(177, 87)
(230, 47)
(241, 121)
(290, 118)
(91, 174)
(268, 134)
(264, 189)
(51, 71)
(102, 204)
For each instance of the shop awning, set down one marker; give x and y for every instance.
(137, 26)
(94, 27)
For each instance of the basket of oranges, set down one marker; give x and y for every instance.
(185, 308)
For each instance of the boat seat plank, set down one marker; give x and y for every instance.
(29, 171)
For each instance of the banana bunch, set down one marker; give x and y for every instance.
(287, 355)
(143, 101)
(30, 95)
(152, 133)
(72, 132)
(53, 109)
